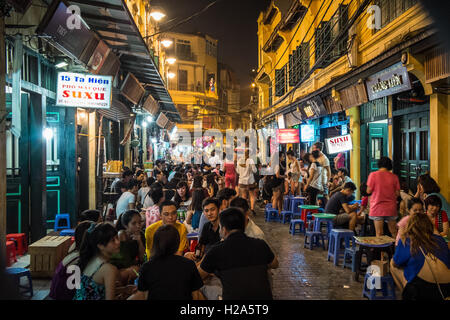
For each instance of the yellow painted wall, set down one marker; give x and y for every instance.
(439, 136)
(370, 45)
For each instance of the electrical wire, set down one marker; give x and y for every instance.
(186, 19)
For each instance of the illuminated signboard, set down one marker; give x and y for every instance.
(307, 132)
(288, 136)
(83, 90)
(339, 144)
(313, 108)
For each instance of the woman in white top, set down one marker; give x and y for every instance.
(294, 169)
(127, 200)
(246, 168)
(314, 185)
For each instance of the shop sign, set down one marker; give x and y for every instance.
(390, 81)
(307, 132)
(339, 144)
(313, 108)
(281, 124)
(83, 90)
(288, 136)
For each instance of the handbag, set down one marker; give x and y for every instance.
(434, 276)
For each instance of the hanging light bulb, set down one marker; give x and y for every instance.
(47, 133)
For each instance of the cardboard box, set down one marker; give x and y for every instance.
(46, 254)
(382, 264)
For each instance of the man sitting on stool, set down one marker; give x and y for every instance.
(345, 213)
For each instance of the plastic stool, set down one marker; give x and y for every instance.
(295, 203)
(20, 240)
(293, 224)
(67, 232)
(349, 253)
(10, 253)
(272, 215)
(334, 244)
(62, 217)
(315, 237)
(17, 274)
(387, 288)
(287, 203)
(285, 216)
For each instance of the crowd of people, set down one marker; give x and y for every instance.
(142, 250)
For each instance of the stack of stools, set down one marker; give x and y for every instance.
(17, 274)
(387, 287)
(334, 244)
(295, 207)
(10, 253)
(62, 217)
(20, 241)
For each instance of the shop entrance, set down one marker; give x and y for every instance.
(375, 139)
(411, 152)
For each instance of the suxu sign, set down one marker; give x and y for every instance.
(83, 90)
(339, 144)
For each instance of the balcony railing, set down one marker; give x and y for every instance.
(186, 87)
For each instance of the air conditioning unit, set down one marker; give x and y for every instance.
(151, 105)
(111, 65)
(132, 89)
(162, 120)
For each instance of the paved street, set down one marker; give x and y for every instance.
(304, 273)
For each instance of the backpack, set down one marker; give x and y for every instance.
(58, 289)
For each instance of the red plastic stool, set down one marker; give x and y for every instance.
(305, 213)
(10, 253)
(193, 245)
(20, 240)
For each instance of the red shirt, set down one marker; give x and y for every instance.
(383, 200)
(444, 219)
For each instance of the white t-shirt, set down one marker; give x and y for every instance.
(142, 193)
(246, 174)
(113, 185)
(213, 161)
(122, 204)
(317, 179)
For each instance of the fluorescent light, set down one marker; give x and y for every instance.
(171, 60)
(149, 119)
(166, 43)
(47, 133)
(171, 75)
(61, 65)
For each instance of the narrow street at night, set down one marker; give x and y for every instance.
(225, 157)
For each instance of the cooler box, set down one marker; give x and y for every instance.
(46, 254)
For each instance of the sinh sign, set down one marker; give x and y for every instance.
(83, 90)
(339, 144)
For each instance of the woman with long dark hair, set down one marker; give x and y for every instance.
(427, 186)
(195, 210)
(425, 258)
(132, 245)
(212, 185)
(182, 197)
(167, 276)
(98, 276)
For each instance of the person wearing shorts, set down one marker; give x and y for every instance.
(384, 188)
(246, 169)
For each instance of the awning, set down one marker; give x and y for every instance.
(114, 24)
(118, 111)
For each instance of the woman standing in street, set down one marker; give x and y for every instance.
(384, 188)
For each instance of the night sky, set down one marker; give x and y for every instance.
(232, 22)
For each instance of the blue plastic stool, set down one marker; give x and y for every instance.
(285, 216)
(349, 254)
(314, 239)
(334, 243)
(17, 274)
(272, 215)
(67, 232)
(287, 203)
(295, 204)
(387, 288)
(292, 226)
(62, 217)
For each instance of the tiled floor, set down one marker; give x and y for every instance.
(304, 273)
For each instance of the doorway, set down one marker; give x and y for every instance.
(374, 145)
